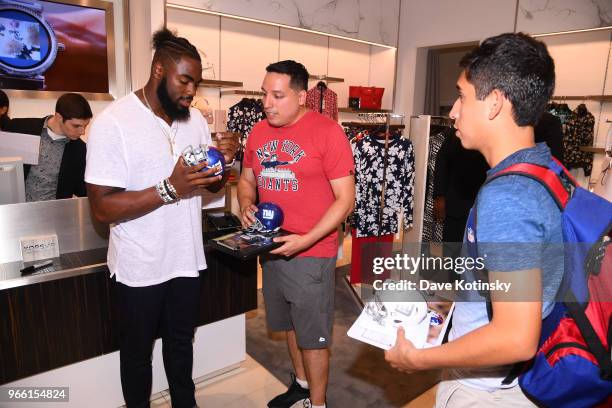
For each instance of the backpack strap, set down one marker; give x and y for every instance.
(550, 178)
(577, 312)
(545, 176)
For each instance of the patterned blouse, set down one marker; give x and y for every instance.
(330, 102)
(578, 131)
(369, 162)
(243, 116)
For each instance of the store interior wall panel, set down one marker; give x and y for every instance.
(202, 30)
(604, 127)
(608, 85)
(382, 70)
(600, 139)
(307, 48)
(247, 49)
(423, 24)
(550, 16)
(351, 61)
(373, 21)
(580, 61)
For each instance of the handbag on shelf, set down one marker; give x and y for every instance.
(370, 97)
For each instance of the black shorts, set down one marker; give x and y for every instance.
(299, 295)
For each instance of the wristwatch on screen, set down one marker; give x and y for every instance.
(28, 45)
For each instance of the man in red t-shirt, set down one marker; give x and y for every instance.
(301, 161)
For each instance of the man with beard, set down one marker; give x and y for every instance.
(139, 183)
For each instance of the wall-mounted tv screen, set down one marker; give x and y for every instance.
(55, 46)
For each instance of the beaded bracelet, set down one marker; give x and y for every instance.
(170, 189)
(163, 193)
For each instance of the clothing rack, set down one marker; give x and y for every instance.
(367, 125)
(600, 98)
(380, 120)
(240, 92)
(376, 120)
(372, 121)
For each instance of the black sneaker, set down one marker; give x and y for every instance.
(294, 394)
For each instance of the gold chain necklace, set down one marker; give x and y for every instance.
(167, 134)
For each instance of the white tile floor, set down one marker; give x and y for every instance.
(252, 386)
(249, 386)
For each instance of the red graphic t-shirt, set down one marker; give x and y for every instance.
(293, 166)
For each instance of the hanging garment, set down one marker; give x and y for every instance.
(432, 229)
(355, 134)
(458, 176)
(579, 132)
(243, 116)
(363, 252)
(369, 155)
(550, 131)
(329, 98)
(561, 111)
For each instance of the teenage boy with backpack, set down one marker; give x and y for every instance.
(504, 87)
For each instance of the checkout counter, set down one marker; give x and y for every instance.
(59, 325)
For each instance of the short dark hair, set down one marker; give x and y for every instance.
(296, 71)
(73, 106)
(517, 65)
(168, 45)
(4, 100)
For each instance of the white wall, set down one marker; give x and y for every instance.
(369, 20)
(582, 68)
(441, 22)
(580, 59)
(240, 51)
(551, 16)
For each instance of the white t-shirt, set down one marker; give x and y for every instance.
(128, 149)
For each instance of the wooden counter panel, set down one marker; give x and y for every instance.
(52, 324)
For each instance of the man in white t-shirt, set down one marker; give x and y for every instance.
(139, 183)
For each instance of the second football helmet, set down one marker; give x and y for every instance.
(268, 218)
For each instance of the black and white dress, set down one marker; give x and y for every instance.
(432, 229)
(369, 162)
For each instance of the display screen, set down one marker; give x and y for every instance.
(24, 41)
(81, 63)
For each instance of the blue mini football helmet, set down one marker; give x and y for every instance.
(213, 156)
(268, 218)
(215, 160)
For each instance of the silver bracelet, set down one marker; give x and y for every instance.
(171, 190)
(163, 194)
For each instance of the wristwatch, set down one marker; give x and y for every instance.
(28, 45)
